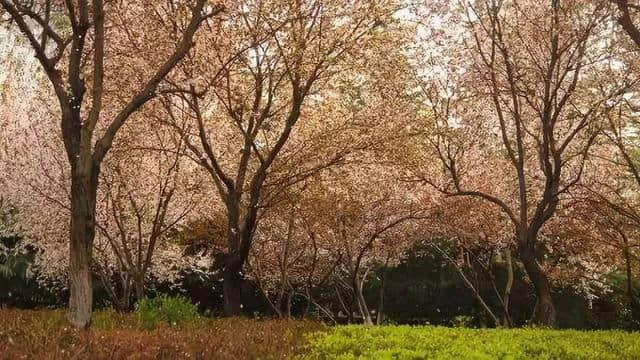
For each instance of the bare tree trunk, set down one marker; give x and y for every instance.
(139, 286)
(232, 285)
(633, 301)
(83, 203)
(326, 311)
(364, 309)
(507, 289)
(362, 302)
(469, 284)
(348, 309)
(380, 313)
(307, 307)
(544, 312)
(286, 312)
(126, 294)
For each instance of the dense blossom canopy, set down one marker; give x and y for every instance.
(309, 146)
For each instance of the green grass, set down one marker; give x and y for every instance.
(406, 342)
(46, 335)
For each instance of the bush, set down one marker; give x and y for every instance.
(174, 311)
(462, 321)
(406, 342)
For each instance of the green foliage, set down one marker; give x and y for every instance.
(406, 342)
(462, 321)
(174, 311)
(104, 319)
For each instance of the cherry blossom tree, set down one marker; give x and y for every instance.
(144, 194)
(146, 191)
(349, 222)
(73, 44)
(530, 82)
(250, 93)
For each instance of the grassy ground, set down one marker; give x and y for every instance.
(45, 335)
(405, 342)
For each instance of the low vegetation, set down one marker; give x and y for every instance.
(173, 311)
(46, 335)
(407, 342)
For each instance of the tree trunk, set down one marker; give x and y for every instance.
(347, 309)
(307, 307)
(544, 313)
(362, 302)
(126, 294)
(232, 285)
(469, 284)
(83, 205)
(380, 313)
(286, 312)
(506, 297)
(139, 284)
(633, 301)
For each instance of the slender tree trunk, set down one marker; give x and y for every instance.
(544, 312)
(287, 305)
(364, 309)
(469, 284)
(83, 205)
(307, 307)
(380, 313)
(633, 301)
(478, 296)
(347, 309)
(232, 285)
(126, 294)
(362, 303)
(506, 297)
(139, 284)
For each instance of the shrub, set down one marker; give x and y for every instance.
(406, 342)
(462, 321)
(173, 311)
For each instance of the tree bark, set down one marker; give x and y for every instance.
(232, 285)
(380, 313)
(544, 312)
(286, 312)
(139, 284)
(506, 297)
(126, 294)
(83, 204)
(358, 285)
(633, 301)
